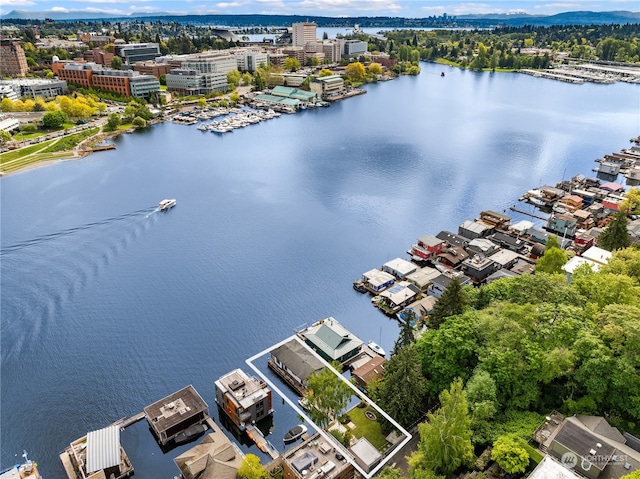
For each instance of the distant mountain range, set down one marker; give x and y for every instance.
(486, 20)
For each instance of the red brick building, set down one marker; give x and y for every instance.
(13, 62)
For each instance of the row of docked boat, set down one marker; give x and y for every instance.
(238, 120)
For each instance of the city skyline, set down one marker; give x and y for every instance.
(331, 8)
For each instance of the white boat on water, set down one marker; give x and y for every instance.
(376, 348)
(295, 433)
(166, 204)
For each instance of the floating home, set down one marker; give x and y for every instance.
(245, 399)
(399, 267)
(426, 248)
(315, 457)
(374, 281)
(493, 218)
(173, 414)
(98, 455)
(397, 297)
(294, 363)
(331, 340)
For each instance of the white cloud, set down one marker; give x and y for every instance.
(18, 3)
(229, 5)
(58, 9)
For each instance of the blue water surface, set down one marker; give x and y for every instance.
(109, 305)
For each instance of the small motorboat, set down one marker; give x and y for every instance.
(190, 433)
(376, 348)
(304, 403)
(295, 433)
(166, 204)
(442, 74)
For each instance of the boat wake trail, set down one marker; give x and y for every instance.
(50, 271)
(52, 236)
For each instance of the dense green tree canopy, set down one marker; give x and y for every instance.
(328, 395)
(510, 454)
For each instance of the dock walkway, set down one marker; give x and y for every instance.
(132, 420)
(265, 446)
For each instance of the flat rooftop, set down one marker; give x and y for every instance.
(316, 453)
(175, 408)
(244, 389)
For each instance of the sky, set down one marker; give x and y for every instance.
(395, 8)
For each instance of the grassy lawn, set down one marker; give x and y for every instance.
(367, 428)
(47, 150)
(28, 136)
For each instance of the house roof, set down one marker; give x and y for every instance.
(474, 227)
(400, 292)
(575, 262)
(371, 370)
(599, 425)
(504, 256)
(482, 244)
(521, 227)
(175, 408)
(298, 359)
(453, 239)
(584, 444)
(368, 454)
(377, 278)
(454, 255)
(214, 458)
(549, 468)
(420, 308)
(429, 240)
(423, 276)
(103, 448)
(332, 338)
(598, 255)
(402, 266)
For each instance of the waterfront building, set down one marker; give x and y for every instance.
(440, 283)
(370, 371)
(505, 258)
(288, 92)
(245, 399)
(173, 414)
(35, 87)
(331, 340)
(397, 297)
(474, 229)
(452, 257)
(508, 241)
(294, 363)
(598, 255)
(97, 455)
(481, 246)
(479, 267)
(13, 62)
(303, 33)
(562, 224)
(399, 267)
(202, 73)
(422, 277)
(315, 457)
(123, 82)
(138, 52)
(493, 218)
(249, 59)
(420, 309)
(328, 86)
(427, 247)
(453, 239)
(216, 457)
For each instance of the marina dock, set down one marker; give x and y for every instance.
(265, 446)
(533, 215)
(132, 420)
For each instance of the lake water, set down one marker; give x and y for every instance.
(109, 305)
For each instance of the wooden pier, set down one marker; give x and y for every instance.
(533, 215)
(99, 148)
(132, 420)
(265, 446)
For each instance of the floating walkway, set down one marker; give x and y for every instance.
(132, 420)
(265, 446)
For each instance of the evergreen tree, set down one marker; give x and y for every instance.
(452, 302)
(615, 236)
(402, 389)
(406, 336)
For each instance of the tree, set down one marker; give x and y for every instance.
(615, 236)
(452, 302)
(5, 136)
(631, 203)
(54, 119)
(202, 103)
(291, 64)
(251, 468)
(445, 439)
(139, 122)
(406, 336)
(325, 72)
(633, 475)
(624, 261)
(375, 69)
(6, 104)
(116, 62)
(552, 261)
(389, 472)
(234, 98)
(233, 78)
(328, 395)
(481, 396)
(113, 122)
(355, 71)
(246, 78)
(259, 80)
(552, 242)
(402, 390)
(510, 454)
